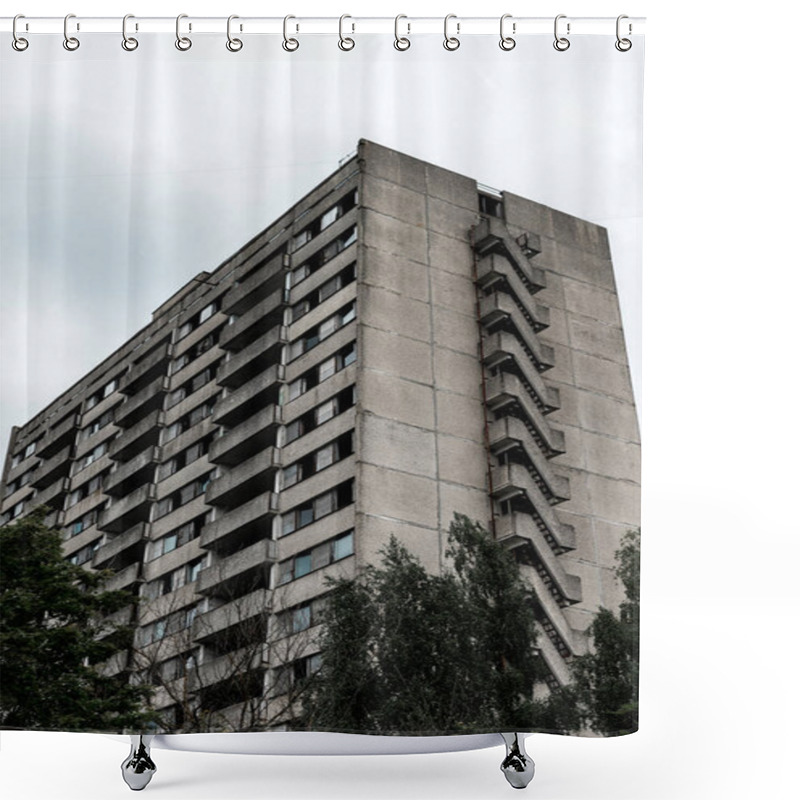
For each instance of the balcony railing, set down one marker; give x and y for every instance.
(253, 359)
(54, 495)
(153, 365)
(55, 467)
(240, 572)
(142, 435)
(140, 469)
(262, 283)
(128, 511)
(245, 480)
(56, 438)
(139, 405)
(253, 396)
(251, 610)
(505, 392)
(132, 539)
(509, 435)
(512, 482)
(255, 322)
(248, 438)
(518, 531)
(248, 521)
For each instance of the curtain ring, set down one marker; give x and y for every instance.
(451, 42)
(561, 43)
(70, 42)
(623, 45)
(128, 42)
(18, 43)
(234, 45)
(507, 42)
(289, 44)
(183, 43)
(345, 42)
(401, 42)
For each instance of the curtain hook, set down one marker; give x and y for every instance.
(70, 42)
(507, 42)
(451, 42)
(401, 42)
(234, 45)
(623, 45)
(18, 43)
(561, 43)
(345, 42)
(128, 42)
(182, 42)
(289, 44)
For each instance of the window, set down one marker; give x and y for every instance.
(182, 496)
(85, 553)
(322, 331)
(179, 537)
(317, 460)
(82, 523)
(174, 580)
(329, 288)
(490, 205)
(198, 319)
(192, 385)
(105, 391)
(195, 351)
(327, 218)
(189, 420)
(320, 556)
(17, 509)
(172, 623)
(319, 415)
(318, 507)
(97, 425)
(184, 458)
(91, 456)
(291, 475)
(323, 256)
(88, 488)
(327, 368)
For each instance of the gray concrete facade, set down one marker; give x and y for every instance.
(401, 345)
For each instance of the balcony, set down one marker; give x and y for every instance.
(124, 579)
(249, 521)
(518, 532)
(116, 549)
(151, 366)
(245, 440)
(491, 236)
(57, 438)
(251, 609)
(510, 436)
(230, 665)
(506, 393)
(253, 396)
(134, 440)
(138, 406)
(255, 358)
(513, 483)
(55, 467)
(246, 480)
(263, 282)
(257, 321)
(501, 348)
(54, 495)
(499, 307)
(128, 476)
(240, 573)
(127, 512)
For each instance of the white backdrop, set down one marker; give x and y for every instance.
(720, 599)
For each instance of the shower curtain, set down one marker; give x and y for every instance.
(327, 360)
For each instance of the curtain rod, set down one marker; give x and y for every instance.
(405, 25)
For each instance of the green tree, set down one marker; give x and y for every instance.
(52, 636)
(606, 681)
(405, 651)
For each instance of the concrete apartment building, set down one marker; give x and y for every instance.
(400, 345)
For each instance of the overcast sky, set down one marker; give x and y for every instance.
(125, 174)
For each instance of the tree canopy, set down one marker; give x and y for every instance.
(606, 681)
(52, 636)
(409, 652)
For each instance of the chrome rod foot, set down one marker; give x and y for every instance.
(138, 768)
(517, 766)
